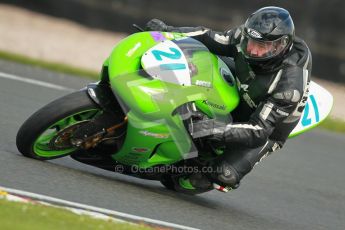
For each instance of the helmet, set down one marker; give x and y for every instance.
(267, 35)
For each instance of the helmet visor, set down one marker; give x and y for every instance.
(256, 49)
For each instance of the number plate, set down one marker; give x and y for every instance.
(166, 62)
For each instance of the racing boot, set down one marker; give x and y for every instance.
(225, 177)
(234, 164)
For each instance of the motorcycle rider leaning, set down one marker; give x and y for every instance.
(272, 69)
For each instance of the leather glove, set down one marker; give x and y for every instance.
(156, 25)
(212, 132)
(208, 128)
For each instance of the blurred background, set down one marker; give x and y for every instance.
(320, 23)
(300, 188)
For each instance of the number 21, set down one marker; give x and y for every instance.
(175, 55)
(305, 119)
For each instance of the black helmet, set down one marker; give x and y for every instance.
(267, 35)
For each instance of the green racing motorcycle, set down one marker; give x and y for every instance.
(138, 119)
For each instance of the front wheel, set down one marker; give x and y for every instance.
(46, 134)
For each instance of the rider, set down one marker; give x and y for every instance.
(272, 69)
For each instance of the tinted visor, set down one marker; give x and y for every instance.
(262, 49)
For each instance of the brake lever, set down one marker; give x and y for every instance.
(138, 27)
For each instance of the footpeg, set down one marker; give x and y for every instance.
(221, 188)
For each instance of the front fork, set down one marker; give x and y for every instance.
(101, 93)
(104, 127)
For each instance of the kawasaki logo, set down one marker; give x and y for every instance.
(254, 33)
(221, 107)
(155, 135)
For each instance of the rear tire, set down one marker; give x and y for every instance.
(171, 184)
(168, 182)
(69, 107)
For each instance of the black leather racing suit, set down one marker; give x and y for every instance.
(272, 99)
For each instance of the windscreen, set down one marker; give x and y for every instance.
(183, 61)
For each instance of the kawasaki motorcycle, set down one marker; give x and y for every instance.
(138, 119)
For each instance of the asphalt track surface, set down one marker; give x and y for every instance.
(300, 187)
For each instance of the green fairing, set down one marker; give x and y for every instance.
(151, 103)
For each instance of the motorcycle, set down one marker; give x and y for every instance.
(138, 119)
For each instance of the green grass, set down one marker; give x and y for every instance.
(333, 124)
(17, 215)
(57, 67)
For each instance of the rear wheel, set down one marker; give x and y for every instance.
(46, 134)
(168, 182)
(172, 183)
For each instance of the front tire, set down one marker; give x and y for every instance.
(44, 135)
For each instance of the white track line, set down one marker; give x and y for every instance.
(34, 82)
(95, 209)
(73, 204)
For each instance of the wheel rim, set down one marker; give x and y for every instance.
(54, 141)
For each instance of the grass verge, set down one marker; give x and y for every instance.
(17, 215)
(333, 124)
(57, 67)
